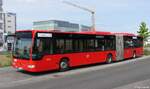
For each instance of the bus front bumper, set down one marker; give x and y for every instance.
(23, 65)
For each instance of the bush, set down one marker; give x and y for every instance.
(5, 59)
(146, 52)
(5, 63)
(147, 45)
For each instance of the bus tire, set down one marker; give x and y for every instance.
(109, 59)
(64, 65)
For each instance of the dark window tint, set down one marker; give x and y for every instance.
(68, 45)
(42, 46)
(100, 44)
(109, 43)
(24, 35)
(128, 42)
(59, 45)
(90, 45)
(76, 45)
(81, 45)
(138, 42)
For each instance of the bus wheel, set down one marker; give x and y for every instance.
(109, 59)
(64, 65)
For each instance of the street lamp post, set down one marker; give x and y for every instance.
(93, 21)
(85, 9)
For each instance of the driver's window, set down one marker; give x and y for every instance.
(44, 45)
(39, 45)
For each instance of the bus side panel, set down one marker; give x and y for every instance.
(139, 51)
(97, 57)
(128, 53)
(46, 63)
(100, 57)
(76, 59)
(51, 62)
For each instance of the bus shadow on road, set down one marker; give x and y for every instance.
(71, 69)
(38, 73)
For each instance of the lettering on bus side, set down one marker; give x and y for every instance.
(44, 34)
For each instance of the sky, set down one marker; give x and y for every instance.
(111, 15)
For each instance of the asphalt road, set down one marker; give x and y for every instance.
(130, 74)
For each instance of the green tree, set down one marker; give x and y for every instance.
(144, 31)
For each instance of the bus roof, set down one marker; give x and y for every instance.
(89, 33)
(125, 34)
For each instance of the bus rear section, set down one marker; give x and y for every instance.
(128, 46)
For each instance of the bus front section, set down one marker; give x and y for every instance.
(22, 51)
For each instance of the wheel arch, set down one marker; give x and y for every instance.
(64, 58)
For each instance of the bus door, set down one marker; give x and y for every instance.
(119, 47)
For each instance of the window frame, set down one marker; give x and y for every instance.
(78, 42)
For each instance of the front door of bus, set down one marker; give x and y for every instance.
(119, 47)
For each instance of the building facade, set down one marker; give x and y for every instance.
(63, 26)
(84, 28)
(7, 28)
(9, 21)
(1, 16)
(1, 24)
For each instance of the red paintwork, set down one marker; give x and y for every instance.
(51, 62)
(139, 51)
(125, 34)
(128, 52)
(21, 63)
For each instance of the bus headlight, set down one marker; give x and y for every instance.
(31, 66)
(20, 68)
(15, 60)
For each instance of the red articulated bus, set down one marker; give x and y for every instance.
(38, 51)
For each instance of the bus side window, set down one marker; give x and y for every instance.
(36, 47)
(40, 46)
(101, 46)
(43, 46)
(90, 45)
(128, 42)
(59, 46)
(76, 45)
(109, 43)
(68, 45)
(81, 45)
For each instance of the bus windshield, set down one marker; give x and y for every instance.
(22, 46)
